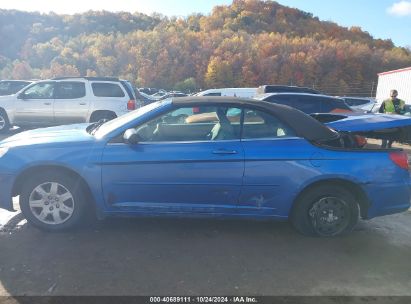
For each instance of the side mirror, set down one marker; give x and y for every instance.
(131, 137)
(20, 96)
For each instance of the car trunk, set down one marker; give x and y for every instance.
(376, 126)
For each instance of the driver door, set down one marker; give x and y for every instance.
(175, 168)
(34, 105)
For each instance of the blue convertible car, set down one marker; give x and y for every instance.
(237, 158)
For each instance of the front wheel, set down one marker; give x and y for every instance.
(53, 201)
(4, 122)
(325, 211)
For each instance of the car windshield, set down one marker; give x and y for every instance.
(112, 125)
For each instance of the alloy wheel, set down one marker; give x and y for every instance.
(330, 216)
(51, 203)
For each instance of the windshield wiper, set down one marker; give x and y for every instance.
(92, 129)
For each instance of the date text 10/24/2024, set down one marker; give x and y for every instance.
(204, 299)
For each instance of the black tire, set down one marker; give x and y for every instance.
(313, 212)
(4, 121)
(102, 115)
(78, 203)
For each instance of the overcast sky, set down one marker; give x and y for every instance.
(381, 18)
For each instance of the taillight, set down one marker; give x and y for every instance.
(131, 105)
(400, 159)
(361, 140)
(196, 110)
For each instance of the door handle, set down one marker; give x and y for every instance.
(82, 103)
(47, 103)
(224, 152)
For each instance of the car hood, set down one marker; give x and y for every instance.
(60, 134)
(5, 97)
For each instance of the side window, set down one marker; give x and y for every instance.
(183, 124)
(308, 104)
(11, 87)
(213, 94)
(4, 88)
(356, 101)
(43, 90)
(258, 124)
(333, 105)
(282, 99)
(305, 104)
(105, 89)
(70, 90)
(17, 86)
(129, 89)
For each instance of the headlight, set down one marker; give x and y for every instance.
(3, 151)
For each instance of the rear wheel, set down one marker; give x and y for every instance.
(102, 115)
(53, 201)
(4, 121)
(325, 211)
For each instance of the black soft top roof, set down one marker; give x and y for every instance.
(303, 124)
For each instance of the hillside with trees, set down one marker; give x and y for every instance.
(247, 43)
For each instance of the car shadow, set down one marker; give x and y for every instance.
(10, 132)
(13, 224)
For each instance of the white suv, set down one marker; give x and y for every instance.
(62, 101)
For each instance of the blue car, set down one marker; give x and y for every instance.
(238, 159)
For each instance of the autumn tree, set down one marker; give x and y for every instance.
(60, 70)
(21, 70)
(188, 85)
(247, 43)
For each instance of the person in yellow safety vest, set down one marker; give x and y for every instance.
(392, 105)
